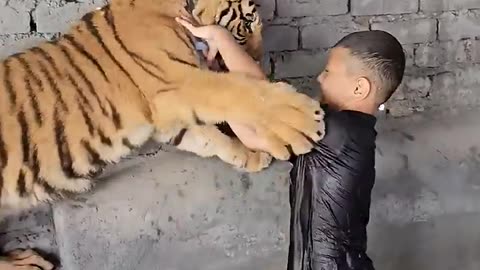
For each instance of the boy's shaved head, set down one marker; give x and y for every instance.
(380, 56)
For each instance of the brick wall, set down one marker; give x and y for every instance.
(441, 38)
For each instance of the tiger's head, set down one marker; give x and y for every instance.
(240, 17)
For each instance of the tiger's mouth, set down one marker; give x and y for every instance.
(219, 64)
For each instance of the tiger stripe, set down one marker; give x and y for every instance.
(41, 52)
(178, 139)
(34, 102)
(225, 12)
(3, 150)
(29, 71)
(94, 157)
(81, 49)
(94, 32)
(47, 188)
(117, 120)
(8, 84)
(35, 167)
(135, 57)
(103, 138)
(84, 99)
(53, 86)
(240, 11)
(3, 160)
(176, 59)
(189, 43)
(82, 75)
(197, 120)
(241, 39)
(21, 188)
(25, 139)
(165, 90)
(87, 120)
(128, 144)
(63, 149)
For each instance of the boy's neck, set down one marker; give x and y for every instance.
(363, 108)
(367, 109)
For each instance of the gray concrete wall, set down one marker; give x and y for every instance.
(176, 211)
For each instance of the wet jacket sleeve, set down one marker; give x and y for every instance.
(330, 200)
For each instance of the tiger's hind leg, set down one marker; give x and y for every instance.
(24, 260)
(209, 141)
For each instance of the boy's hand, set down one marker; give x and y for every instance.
(249, 137)
(207, 32)
(210, 33)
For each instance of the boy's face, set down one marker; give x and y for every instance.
(341, 87)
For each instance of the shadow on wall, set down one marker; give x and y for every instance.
(426, 201)
(446, 242)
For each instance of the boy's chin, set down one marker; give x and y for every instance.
(326, 101)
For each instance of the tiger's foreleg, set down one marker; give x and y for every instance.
(209, 141)
(291, 121)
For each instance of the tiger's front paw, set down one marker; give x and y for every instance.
(252, 161)
(292, 122)
(257, 161)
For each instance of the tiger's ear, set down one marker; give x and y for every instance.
(205, 11)
(254, 45)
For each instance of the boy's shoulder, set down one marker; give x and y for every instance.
(347, 134)
(344, 127)
(348, 121)
(336, 128)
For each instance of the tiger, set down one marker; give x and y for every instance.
(122, 75)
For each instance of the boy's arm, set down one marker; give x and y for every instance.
(220, 39)
(235, 57)
(236, 60)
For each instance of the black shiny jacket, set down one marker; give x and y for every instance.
(330, 196)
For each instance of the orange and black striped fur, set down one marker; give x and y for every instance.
(240, 17)
(124, 74)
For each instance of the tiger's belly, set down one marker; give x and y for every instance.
(68, 168)
(124, 142)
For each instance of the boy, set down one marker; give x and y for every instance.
(331, 186)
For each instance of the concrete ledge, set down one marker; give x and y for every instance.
(177, 211)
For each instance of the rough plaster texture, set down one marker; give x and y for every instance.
(177, 211)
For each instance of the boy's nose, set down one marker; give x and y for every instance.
(319, 78)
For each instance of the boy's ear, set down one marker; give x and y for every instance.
(363, 88)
